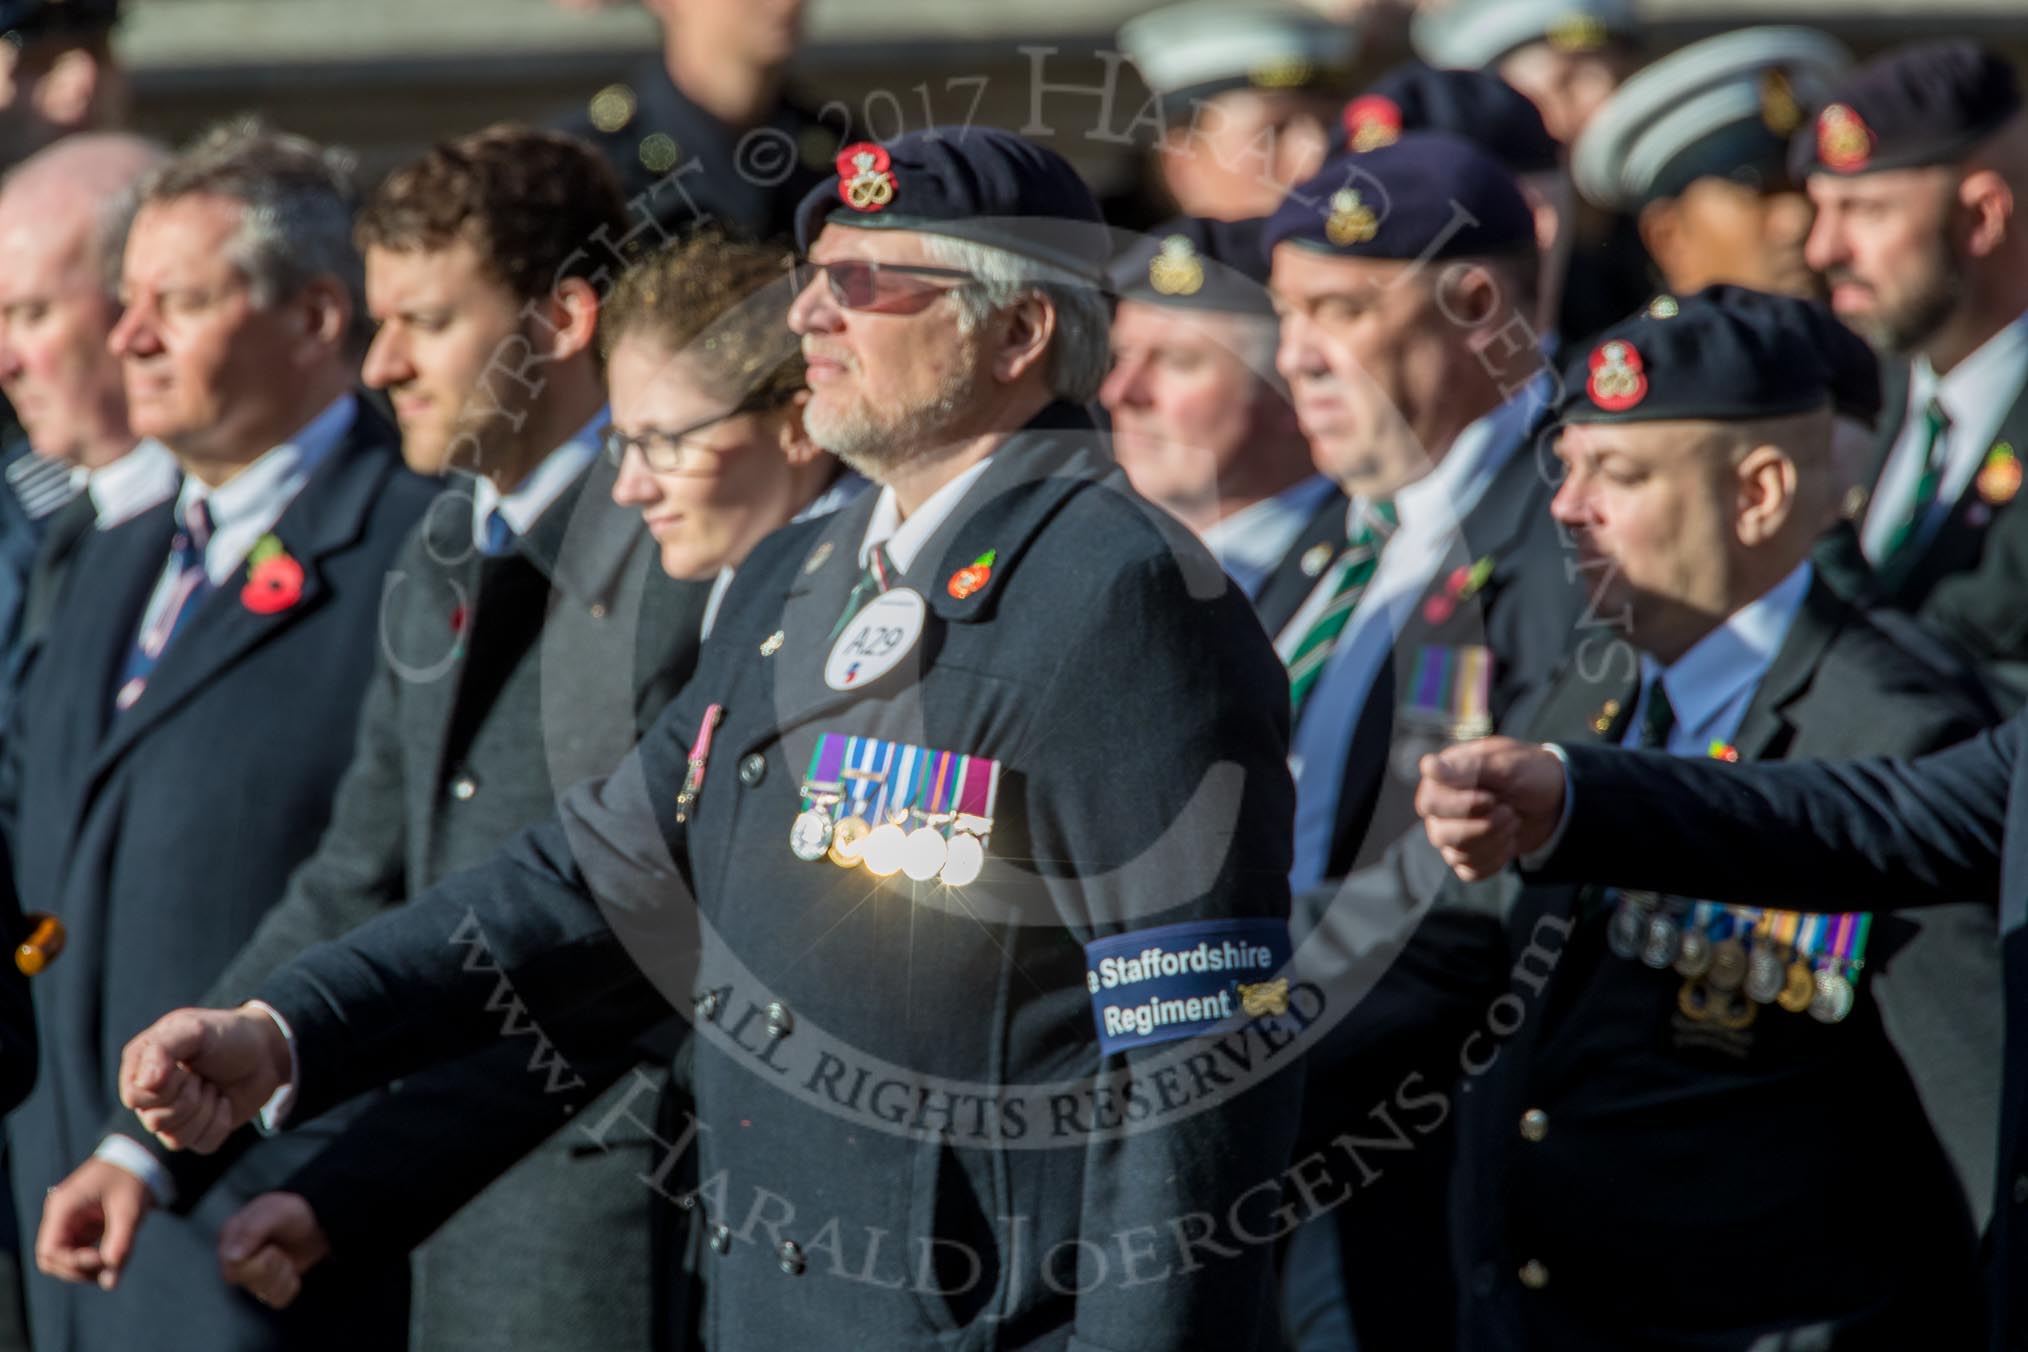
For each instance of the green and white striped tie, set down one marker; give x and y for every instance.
(1354, 567)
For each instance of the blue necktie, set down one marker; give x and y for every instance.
(189, 585)
(499, 540)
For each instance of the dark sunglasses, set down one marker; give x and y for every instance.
(882, 288)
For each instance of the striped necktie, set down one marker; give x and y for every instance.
(188, 586)
(1354, 569)
(878, 577)
(1936, 424)
(499, 541)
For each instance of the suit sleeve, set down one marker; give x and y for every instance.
(1878, 834)
(407, 1164)
(1172, 805)
(540, 935)
(355, 874)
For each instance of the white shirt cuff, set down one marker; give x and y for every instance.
(1535, 858)
(275, 1112)
(125, 1152)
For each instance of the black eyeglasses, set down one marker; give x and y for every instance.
(880, 288)
(672, 452)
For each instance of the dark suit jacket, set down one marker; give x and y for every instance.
(500, 682)
(160, 837)
(1108, 707)
(1291, 582)
(1968, 580)
(1665, 1134)
(1940, 829)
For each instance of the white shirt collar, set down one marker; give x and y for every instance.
(1989, 378)
(524, 504)
(248, 506)
(1254, 538)
(905, 539)
(129, 486)
(1730, 661)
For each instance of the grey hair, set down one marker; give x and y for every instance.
(299, 198)
(1081, 351)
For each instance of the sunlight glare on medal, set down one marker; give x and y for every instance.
(883, 852)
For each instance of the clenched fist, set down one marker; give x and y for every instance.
(1487, 803)
(196, 1075)
(269, 1244)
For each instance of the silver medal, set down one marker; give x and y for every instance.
(1623, 931)
(1766, 975)
(810, 835)
(1664, 939)
(1834, 997)
(1694, 959)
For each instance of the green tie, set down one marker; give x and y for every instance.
(1356, 566)
(1658, 719)
(878, 577)
(1935, 423)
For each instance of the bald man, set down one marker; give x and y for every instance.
(63, 220)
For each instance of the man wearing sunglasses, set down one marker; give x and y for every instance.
(955, 1074)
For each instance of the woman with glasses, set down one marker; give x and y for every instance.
(707, 389)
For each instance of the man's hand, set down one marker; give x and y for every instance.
(1487, 803)
(269, 1244)
(197, 1074)
(89, 1221)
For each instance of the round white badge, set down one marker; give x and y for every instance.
(876, 640)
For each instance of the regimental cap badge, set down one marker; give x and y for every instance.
(1577, 33)
(1780, 112)
(1291, 73)
(1351, 221)
(1844, 141)
(1372, 121)
(865, 177)
(2000, 476)
(1175, 270)
(1618, 377)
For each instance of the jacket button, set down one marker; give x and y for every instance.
(1534, 1125)
(721, 1239)
(790, 1256)
(465, 786)
(781, 1023)
(2021, 1190)
(707, 1005)
(598, 610)
(687, 1202)
(753, 770)
(1533, 1275)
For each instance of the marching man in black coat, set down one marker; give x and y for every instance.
(965, 849)
(180, 739)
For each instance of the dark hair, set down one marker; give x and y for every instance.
(723, 306)
(527, 201)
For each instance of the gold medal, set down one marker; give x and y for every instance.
(1694, 999)
(848, 838)
(1732, 1011)
(1800, 990)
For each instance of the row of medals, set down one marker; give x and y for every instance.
(890, 848)
(1726, 980)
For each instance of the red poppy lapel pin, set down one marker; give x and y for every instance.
(274, 580)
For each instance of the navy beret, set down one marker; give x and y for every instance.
(973, 183)
(1195, 264)
(1852, 368)
(42, 18)
(1925, 103)
(1708, 358)
(1482, 108)
(1428, 195)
